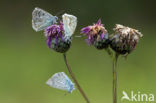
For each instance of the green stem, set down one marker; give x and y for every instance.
(74, 79)
(109, 52)
(115, 78)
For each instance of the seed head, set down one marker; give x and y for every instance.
(125, 39)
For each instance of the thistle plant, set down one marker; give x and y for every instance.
(123, 42)
(59, 38)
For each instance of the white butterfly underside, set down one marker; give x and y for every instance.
(69, 23)
(42, 19)
(61, 81)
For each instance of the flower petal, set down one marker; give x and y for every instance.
(49, 41)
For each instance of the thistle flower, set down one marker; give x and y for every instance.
(97, 35)
(59, 36)
(125, 39)
(56, 38)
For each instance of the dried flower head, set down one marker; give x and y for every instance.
(97, 35)
(125, 39)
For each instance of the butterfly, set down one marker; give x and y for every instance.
(61, 81)
(42, 19)
(70, 23)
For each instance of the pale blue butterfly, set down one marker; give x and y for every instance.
(42, 19)
(61, 81)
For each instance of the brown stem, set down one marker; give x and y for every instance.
(115, 78)
(74, 79)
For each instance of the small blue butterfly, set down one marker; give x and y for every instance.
(42, 19)
(61, 81)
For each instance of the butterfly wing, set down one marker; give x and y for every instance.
(61, 81)
(42, 19)
(69, 23)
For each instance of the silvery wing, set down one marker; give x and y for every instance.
(61, 81)
(69, 23)
(42, 19)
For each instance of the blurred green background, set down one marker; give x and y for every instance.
(26, 63)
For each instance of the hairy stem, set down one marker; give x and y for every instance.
(115, 58)
(74, 79)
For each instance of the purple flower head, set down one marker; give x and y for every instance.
(54, 31)
(56, 39)
(95, 32)
(97, 35)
